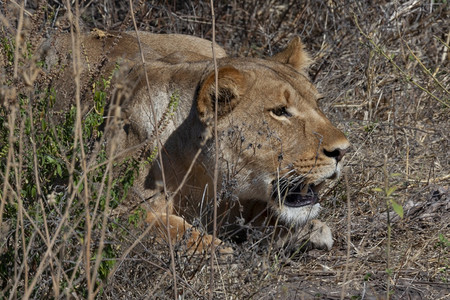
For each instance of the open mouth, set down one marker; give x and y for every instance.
(297, 195)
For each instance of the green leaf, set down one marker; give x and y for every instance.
(51, 160)
(444, 242)
(377, 190)
(391, 190)
(59, 170)
(397, 208)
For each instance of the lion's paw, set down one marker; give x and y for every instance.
(200, 243)
(320, 236)
(184, 234)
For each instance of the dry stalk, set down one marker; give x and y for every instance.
(20, 204)
(388, 246)
(247, 28)
(425, 69)
(216, 159)
(77, 69)
(19, 40)
(127, 252)
(4, 195)
(159, 143)
(40, 196)
(36, 176)
(446, 45)
(349, 241)
(108, 171)
(407, 77)
(56, 234)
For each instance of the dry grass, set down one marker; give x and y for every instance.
(384, 72)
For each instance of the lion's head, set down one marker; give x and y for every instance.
(275, 140)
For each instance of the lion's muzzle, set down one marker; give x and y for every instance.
(295, 195)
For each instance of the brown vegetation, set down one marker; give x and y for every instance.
(383, 69)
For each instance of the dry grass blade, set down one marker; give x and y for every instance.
(445, 102)
(216, 143)
(383, 71)
(159, 146)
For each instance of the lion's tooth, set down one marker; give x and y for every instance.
(304, 190)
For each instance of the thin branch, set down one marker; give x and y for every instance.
(18, 39)
(349, 241)
(216, 159)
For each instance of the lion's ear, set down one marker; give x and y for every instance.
(231, 86)
(295, 55)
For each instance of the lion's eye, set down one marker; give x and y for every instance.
(281, 112)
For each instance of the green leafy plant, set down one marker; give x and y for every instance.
(136, 216)
(387, 193)
(443, 245)
(49, 192)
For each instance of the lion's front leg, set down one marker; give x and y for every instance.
(180, 230)
(312, 235)
(319, 235)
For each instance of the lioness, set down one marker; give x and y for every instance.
(276, 147)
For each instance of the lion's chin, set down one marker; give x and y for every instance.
(298, 215)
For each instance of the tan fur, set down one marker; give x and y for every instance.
(166, 44)
(257, 146)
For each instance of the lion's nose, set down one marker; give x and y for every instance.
(337, 153)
